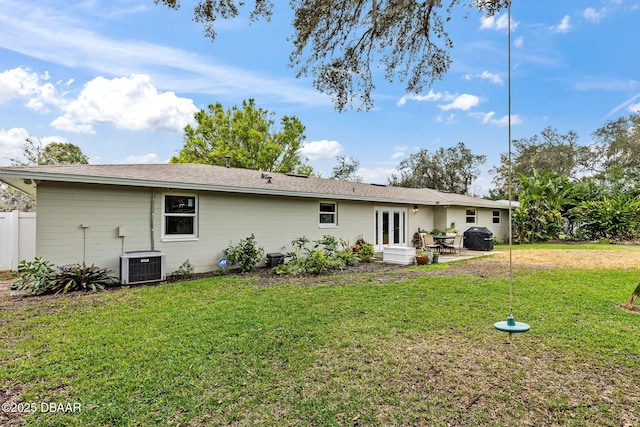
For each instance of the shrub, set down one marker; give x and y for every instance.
(290, 269)
(366, 252)
(185, 271)
(35, 275)
(40, 277)
(348, 258)
(323, 256)
(329, 245)
(316, 263)
(79, 277)
(246, 255)
(615, 218)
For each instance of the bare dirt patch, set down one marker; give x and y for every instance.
(571, 258)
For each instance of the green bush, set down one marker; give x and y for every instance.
(36, 275)
(348, 258)
(316, 263)
(40, 277)
(325, 254)
(366, 252)
(185, 271)
(79, 277)
(616, 218)
(245, 255)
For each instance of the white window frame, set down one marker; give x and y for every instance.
(194, 215)
(333, 224)
(474, 215)
(498, 217)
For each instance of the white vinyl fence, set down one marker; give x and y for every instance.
(17, 238)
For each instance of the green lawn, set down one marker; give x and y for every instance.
(422, 351)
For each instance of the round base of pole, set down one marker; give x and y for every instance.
(511, 326)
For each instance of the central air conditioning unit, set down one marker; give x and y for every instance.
(142, 267)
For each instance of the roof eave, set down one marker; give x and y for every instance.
(19, 179)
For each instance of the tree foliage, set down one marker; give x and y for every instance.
(34, 152)
(544, 198)
(248, 135)
(550, 151)
(618, 147)
(340, 43)
(347, 169)
(617, 218)
(448, 169)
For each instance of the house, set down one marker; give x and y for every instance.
(95, 213)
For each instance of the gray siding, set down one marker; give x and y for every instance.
(222, 219)
(80, 222)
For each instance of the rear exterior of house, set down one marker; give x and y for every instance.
(95, 213)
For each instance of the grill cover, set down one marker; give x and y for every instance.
(478, 239)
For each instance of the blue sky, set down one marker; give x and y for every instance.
(122, 78)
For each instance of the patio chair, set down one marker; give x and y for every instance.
(428, 241)
(455, 247)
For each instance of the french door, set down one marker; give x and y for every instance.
(391, 227)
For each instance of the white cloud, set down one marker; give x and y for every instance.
(626, 104)
(397, 155)
(634, 108)
(563, 27)
(449, 120)
(460, 102)
(127, 103)
(431, 96)
(485, 75)
(43, 32)
(11, 142)
(489, 118)
(143, 159)
(455, 101)
(376, 175)
(23, 83)
(519, 42)
(500, 22)
(481, 186)
(321, 150)
(590, 14)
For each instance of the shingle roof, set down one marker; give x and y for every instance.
(217, 178)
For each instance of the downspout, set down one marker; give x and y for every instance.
(152, 219)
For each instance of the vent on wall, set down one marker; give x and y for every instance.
(142, 267)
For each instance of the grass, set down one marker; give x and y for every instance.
(417, 351)
(8, 275)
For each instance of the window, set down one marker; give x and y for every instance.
(470, 216)
(180, 218)
(328, 214)
(496, 217)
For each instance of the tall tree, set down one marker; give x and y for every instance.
(248, 136)
(34, 152)
(618, 148)
(549, 151)
(448, 169)
(347, 169)
(339, 43)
